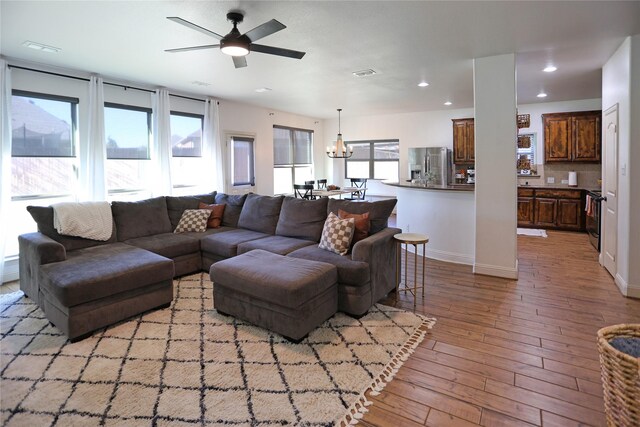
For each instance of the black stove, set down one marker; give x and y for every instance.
(593, 209)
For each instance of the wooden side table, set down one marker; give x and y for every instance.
(407, 239)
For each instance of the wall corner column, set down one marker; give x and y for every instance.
(494, 87)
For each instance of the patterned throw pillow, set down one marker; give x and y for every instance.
(193, 220)
(337, 234)
(217, 211)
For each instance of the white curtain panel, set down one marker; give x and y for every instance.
(161, 144)
(93, 149)
(5, 158)
(212, 146)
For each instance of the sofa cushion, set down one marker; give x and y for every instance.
(226, 244)
(379, 211)
(275, 244)
(43, 216)
(260, 213)
(354, 273)
(93, 273)
(177, 205)
(302, 218)
(232, 210)
(170, 245)
(141, 218)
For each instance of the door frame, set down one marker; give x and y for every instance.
(603, 228)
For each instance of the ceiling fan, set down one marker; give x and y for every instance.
(239, 45)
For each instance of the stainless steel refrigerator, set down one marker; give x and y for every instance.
(436, 162)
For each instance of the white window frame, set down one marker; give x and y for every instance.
(532, 151)
(371, 158)
(185, 187)
(293, 165)
(232, 187)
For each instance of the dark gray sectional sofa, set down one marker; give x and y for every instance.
(83, 285)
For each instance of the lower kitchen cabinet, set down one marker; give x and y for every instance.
(560, 209)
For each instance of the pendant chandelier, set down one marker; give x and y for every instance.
(339, 151)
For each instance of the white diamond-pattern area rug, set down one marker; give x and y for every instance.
(189, 365)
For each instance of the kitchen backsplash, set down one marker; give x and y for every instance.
(588, 174)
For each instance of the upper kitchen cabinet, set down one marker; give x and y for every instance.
(464, 150)
(572, 137)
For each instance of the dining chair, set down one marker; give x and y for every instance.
(303, 191)
(358, 183)
(310, 182)
(322, 184)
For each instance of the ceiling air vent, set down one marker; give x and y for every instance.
(364, 73)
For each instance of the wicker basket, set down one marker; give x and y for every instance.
(620, 377)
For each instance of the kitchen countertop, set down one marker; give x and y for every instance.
(452, 187)
(559, 187)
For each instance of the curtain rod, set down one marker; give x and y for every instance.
(125, 87)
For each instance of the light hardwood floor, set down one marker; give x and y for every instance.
(507, 352)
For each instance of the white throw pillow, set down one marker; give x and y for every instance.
(193, 220)
(337, 234)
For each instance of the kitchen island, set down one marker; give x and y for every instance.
(444, 213)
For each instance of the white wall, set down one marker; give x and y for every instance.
(243, 118)
(634, 172)
(494, 93)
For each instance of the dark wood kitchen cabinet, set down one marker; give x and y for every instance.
(572, 137)
(525, 207)
(558, 208)
(464, 150)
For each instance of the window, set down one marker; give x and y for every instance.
(292, 158)
(526, 152)
(43, 144)
(128, 133)
(242, 163)
(374, 160)
(186, 150)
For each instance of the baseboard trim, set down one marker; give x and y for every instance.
(453, 257)
(11, 270)
(496, 270)
(626, 289)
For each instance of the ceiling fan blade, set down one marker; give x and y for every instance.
(265, 30)
(277, 51)
(194, 26)
(186, 49)
(239, 61)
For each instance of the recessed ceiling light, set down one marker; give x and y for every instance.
(41, 47)
(364, 73)
(550, 69)
(199, 83)
(263, 89)
(423, 84)
(448, 103)
(542, 95)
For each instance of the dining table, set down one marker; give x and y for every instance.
(339, 193)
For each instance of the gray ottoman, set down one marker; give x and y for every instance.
(285, 295)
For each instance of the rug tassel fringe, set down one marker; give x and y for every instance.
(359, 407)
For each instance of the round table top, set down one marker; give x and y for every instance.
(413, 238)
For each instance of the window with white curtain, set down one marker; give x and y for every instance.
(242, 161)
(374, 160)
(128, 137)
(43, 156)
(292, 158)
(186, 149)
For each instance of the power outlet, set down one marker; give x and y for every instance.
(408, 228)
(551, 180)
(565, 181)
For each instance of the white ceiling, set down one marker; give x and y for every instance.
(405, 42)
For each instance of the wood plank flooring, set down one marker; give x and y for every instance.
(509, 352)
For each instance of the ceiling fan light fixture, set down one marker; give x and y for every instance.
(235, 50)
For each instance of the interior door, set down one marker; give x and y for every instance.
(609, 233)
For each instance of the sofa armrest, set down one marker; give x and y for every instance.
(379, 251)
(36, 249)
